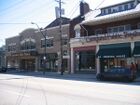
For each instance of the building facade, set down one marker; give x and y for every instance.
(26, 51)
(107, 37)
(2, 57)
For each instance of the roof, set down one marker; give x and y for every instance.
(129, 1)
(56, 22)
(92, 17)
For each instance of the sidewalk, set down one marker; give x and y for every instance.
(89, 77)
(86, 77)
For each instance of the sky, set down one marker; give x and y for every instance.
(17, 15)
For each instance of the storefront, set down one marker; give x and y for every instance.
(114, 55)
(136, 54)
(84, 59)
(24, 61)
(50, 63)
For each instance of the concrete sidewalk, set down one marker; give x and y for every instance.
(87, 77)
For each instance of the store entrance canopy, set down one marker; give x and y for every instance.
(136, 52)
(119, 51)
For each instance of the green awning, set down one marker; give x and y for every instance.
(116, 51)
(136, 51)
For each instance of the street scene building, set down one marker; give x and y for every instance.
(26, 51)
(92, 42)
(107, 37)
(2, 57)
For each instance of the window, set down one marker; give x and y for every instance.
(109, 10)
(65, 52)
(103, 12)
(121, 28)
(126, 6)
(132, 5)
(120, 8)
(115, 29)
(109, 30)
(98, 31)
(64, 41)
(77, 33)
(138, 25)
(127, 27)
(49, 43)
(28, 44)
(11, 47)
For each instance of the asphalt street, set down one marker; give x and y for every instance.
(31, 90)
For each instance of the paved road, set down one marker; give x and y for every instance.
(29, 90)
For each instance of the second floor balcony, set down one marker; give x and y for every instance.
(107, 36)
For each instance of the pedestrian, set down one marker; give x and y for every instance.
(136, 65)
(133, 68)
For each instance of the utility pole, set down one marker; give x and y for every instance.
(45, 50)
(61, 46)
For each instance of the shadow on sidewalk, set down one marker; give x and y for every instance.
(74, 77)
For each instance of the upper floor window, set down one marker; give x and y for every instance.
(109, 10)
(64, 41)
(127, 27)
(98, 31)
(132, 5)
(119, 28)
(120, 8)
(49, 42)
(65, 52)
(27, 44)
(126, 6)
(103, 11)
(11, 47)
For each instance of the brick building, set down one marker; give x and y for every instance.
(107, 37)
(26, 50)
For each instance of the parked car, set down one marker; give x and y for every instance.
(3, 69)
(117, 73)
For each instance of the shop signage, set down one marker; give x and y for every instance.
(25, 54)
(112, 56)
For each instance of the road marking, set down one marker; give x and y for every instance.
(16, 93)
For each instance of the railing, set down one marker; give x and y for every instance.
(107, 36)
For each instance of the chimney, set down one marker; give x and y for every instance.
(84, 8)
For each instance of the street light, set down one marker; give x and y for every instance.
(45, 51)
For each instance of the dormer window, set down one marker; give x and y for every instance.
(120, 8)
(126, 6)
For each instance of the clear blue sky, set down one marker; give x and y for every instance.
(41, 12)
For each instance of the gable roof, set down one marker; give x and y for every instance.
(92, 17)
(56, 22)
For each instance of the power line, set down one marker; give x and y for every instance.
(74, 9)
(99, 4)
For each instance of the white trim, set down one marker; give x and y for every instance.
(11, 44)
(47, 38)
